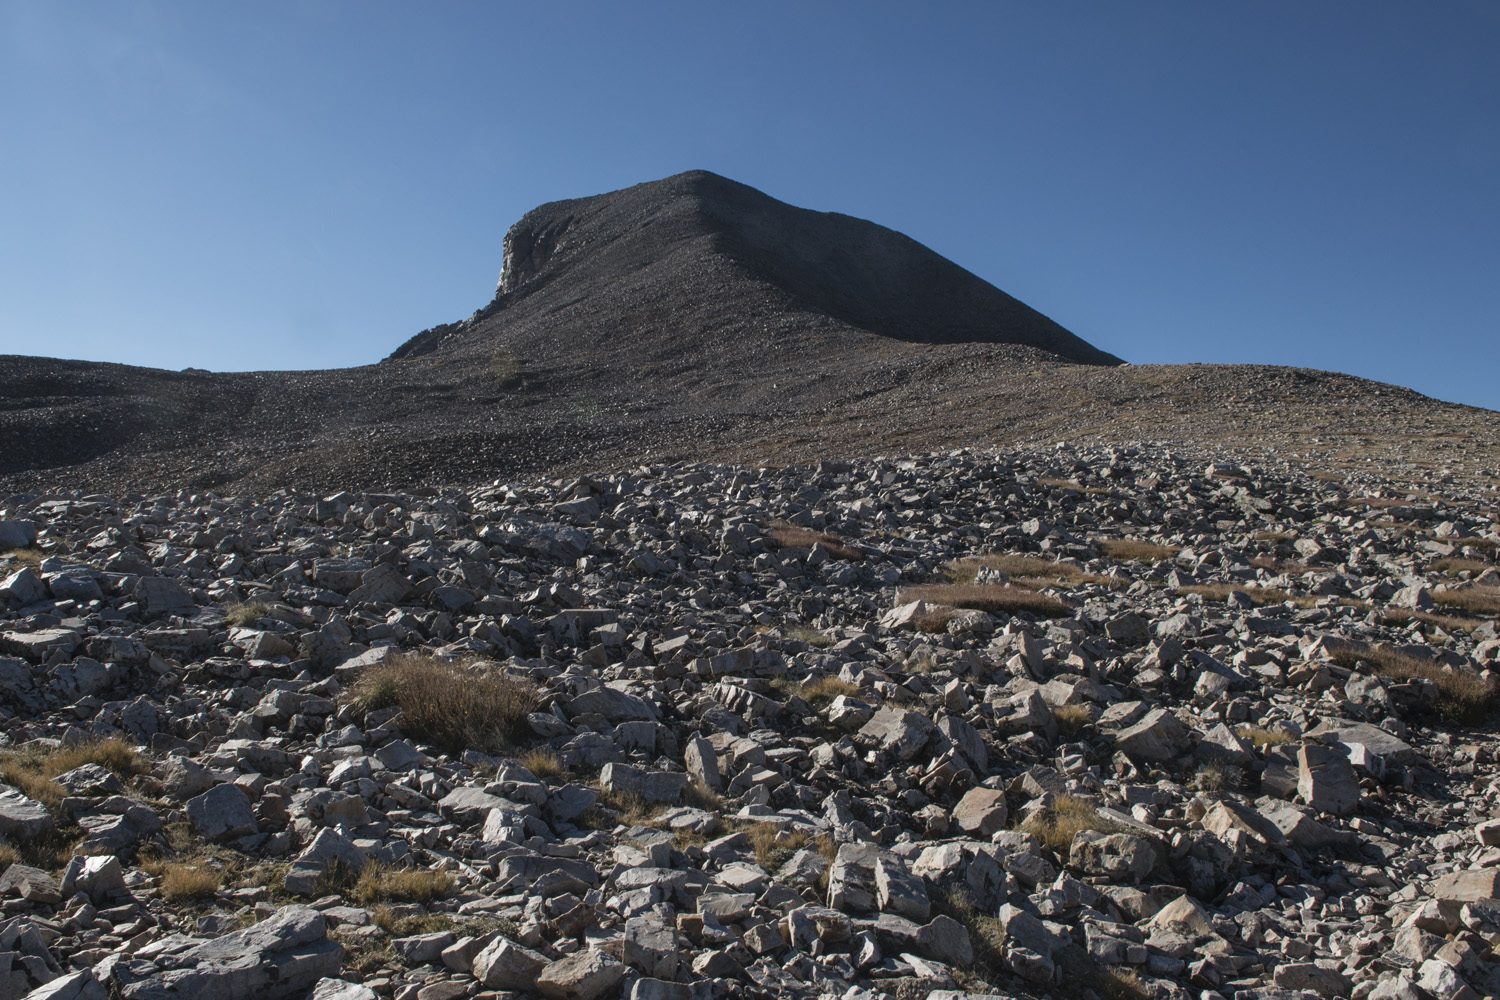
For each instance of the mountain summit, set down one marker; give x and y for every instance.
(688, 319)
(698, 256)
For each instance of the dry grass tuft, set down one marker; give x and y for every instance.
(241, 615)
(1474, 600)
(814, 637)
(543, 762)
(451, 705)
(1453, 567)
(1064, 819)
(700, 796)
(1463, 696)
(1121, 983)
(30, 771)
(1071, 718)
(790, 536)
(991, 598)
(30, 558)
(8, 856)
(379, 884)
(1031, 572)
(1259, 596)
(1134, 550)
(822, 690)
(774, 846)
(1264, 737)
(180, 883)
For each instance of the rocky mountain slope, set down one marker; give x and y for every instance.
(1078, 722)
(694, 318)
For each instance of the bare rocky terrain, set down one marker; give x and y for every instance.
(1080, 722)
(747, 602)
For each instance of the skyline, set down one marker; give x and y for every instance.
(310, 184)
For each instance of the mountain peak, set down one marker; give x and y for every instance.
(659, 251)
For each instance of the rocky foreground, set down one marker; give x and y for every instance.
(1081, 723)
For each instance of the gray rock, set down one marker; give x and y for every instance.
(222, 813)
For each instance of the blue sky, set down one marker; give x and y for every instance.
(306, 184)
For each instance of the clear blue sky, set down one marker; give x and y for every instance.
(296, 185)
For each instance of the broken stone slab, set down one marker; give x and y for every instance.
(505, 965)
(1157, 737)
(22, 818)
(223, 812)
(655, 787)
(900, 732)
(1325, 779)
(981, 812)
(280, 958)
(584, 975)
(1116, 856)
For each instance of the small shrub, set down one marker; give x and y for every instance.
(180, 883)
(1463, 696)
(1216, 776)
(543, 762)
(429, 923)
(379, 884)
(991, 598)
(1120, 983)
(241, 615)
(453, 706)
(1062, 820)
(790, 536)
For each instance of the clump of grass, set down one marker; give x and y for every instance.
(1453, 567)
(1405, 616)
(986, 935)
(1474, 600)
(814, 637)
(364, 954)
(991, 598)
(700, 796)
(427, 923)
(1030, 572)
(454, 706)
(30, 558)
(1463, 696)
(379, 884)
(1062, 820)
(31, 771)
(1259, 596)
(822, 690)
(181, 883)
(1273, 536)
(790, 536)
(934, 621)
(241, 615)
(1120, 983)
(543, 762)
(774, 846)
(1071, 718)
(629, 809)
(1134, 550)
(1264, 737)
(8, 855)
(1216, 776)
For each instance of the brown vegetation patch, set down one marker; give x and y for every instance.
(31, 770)
(184, 883)
(241, 615)
(991, 598)
(379, 884)
(1463, 696)
(1453, 567)
(1474, 600)
(455, 706)
(1031, 572)
(1259, 596)
(1065, 818)
(790, 536)
(1134, 550)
